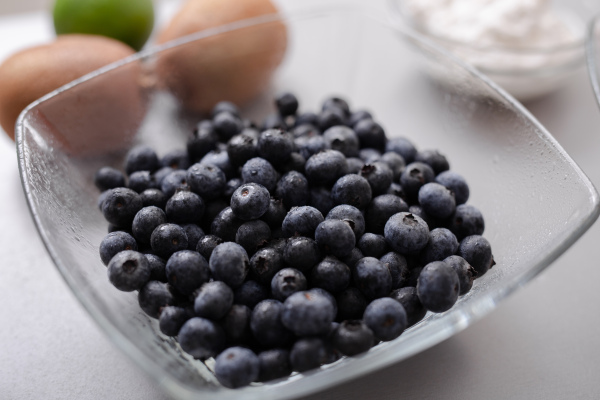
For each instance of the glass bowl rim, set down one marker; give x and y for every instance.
(144, 362)
(593, 55)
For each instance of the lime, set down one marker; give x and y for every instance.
(129, 21)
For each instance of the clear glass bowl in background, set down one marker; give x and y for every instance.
(535, 71)
(536, 200)
(593, 55)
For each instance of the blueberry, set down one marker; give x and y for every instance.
(301, 253)
(406, 233)
(417, 210)
(355, 164)
(442, 243)
(351, 215)
(456, 183)
(307, 118)
(185, 207)
(396, 190)
(369, 155)
(108, 178)
(253, 235)
(241, 148)
(398, 267)
(358, 116)
(103, 197)
(229, 263)
(141, 158)
(436, 200)
(201, 338)
(287, 282)
(223, 106)
(145, 221)
(207, 244)
(320, 198)
(466, 221)
(372, 277)
(434, 159)
(386, 318)
(307, 145)
(307, 313)
(330, 274)
(176, 159)
(330, 117)
(166, 239)
(466, 273)
(213, 300)
(407, 296)
(355, 256)
(275, 214)
(258, 170)
(194, 233)
(154, 296)
(237, 367)
(264, 264)
(302, 221)
(176, 180)
(274, 364)
(227, 125)
(353, 337)
(335, 237)
(157, 268)
(266, 325)
(415, 175)
(203, 140)
(308, 353)
(403, 147)
(342, 139)
(121, 205)
(296, 162)
(379, 176)
(351, 304)
(128, 270)
(206, 180)
(328, 295)
(293, 189)
(326, 167)
(187, 270)
(220, 159)
(338, 104)
(236, 324)
(372, 245)
(230, 187)
(353, 190)
(114, 243)
(250, 294)
(438, 286)
(286, 103)
(172, 319)
(153, 197)
(275, 145)
(225, 225)
(395, 162)
(381, 209)
(278, 244)
(477, 251)
(370, 134)
(250, 201)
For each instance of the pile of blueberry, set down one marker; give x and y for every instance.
(282, 247)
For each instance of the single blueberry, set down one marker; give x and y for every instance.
(308, 353)
(201, 338)
(258, 170)
(236, 324)
(145, 221)
(358, 116)
(466, 273)
(154, 296)
(220, 159)
(372, 245)
(185, 207)
(342, 139)
(207, 244)
(157, 268)
(274, 364)
(142, 180)
(353, 190)
(379, 176)
(369, 155)
(253, 235)
(103, 197)
(302, 221)
(330, 117)
(320, 198)
(438, 287)
(237, 367)
(275, 145)
(264, 264)
(355, 256)
(266, 325)
(456, 183)
(370, 134)
(227, 125)
(172, 319)
(194, 233)
(296, 162)
(141, 158)
(153, 197)
(355, 164)
(121, 205)
(330, 274)
(336, 103)
(229, 263)
(287, 282)
(335, 237)
(186, 271)
(351, 304)
(176, 180)
(372, 277)
(116, 242)
(223, 106)
(250, 201)
(353, 337)
(206, 180)
(442, 243)
(351, 215)
(301, 253)
(203, 140)
(478, 252)
(176, 159)
(241, 148)
(403, 147)
(415, 175)
(213, 300)
(293, 189)
(407, 296)
(230, 187)
(225, 225)
(380, 209)
(275, 214)
(250, 294)
(386, 318)
(326, 167)
(395, 162)
(398, 267)
(286, 103)
(434, 159)
(109, 178)
(436, 200)
(406, 233)
(128, 270)
(466, 221)
(307, 313)
(166, 239)
(328, 295)
(396, 190)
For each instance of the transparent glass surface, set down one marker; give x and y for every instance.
(593, 55)
(536, 200)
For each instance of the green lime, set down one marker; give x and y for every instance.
(129, 21)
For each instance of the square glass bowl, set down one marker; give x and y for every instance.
(535, 199)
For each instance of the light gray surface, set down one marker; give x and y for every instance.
(541, 343)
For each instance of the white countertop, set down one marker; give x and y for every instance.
(543, 342)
